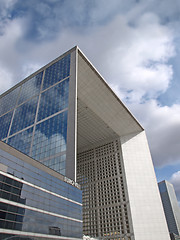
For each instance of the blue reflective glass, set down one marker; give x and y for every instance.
(40, 178)
(50, 137)
(8, 101)
(57, 163)
(5, 121)
(24, 115)
(162, 187)
(22, 141)
(30, 88)
(54, 99)
(18, 218)
(57, 72)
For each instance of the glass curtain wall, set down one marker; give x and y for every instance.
(32, 200)
(33, 116)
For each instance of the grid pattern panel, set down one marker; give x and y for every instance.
(105, 203)
(24, 115)
(50, 138)
(37, 124)
(5, 121)
(54, 100)
(24, 206)
(22, 141)
(57, 72)
(8, 101)
(30, 88)
(57, 163)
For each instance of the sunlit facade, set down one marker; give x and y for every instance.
(67, 117)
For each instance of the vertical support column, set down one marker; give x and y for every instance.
(72, 120)
(145, 204)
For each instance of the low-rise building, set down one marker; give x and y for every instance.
(36, 201)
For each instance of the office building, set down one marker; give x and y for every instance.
(36, 201)
(67, 117)
(171, 207)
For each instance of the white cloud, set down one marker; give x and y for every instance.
(136, 58)
(10, 59)
(5, 80)
(5, 6)
(162, 126)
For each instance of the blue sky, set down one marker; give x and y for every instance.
(134, 44)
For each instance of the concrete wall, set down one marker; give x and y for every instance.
(145, 204)
(72, 118)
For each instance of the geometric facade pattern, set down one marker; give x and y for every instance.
(105, 200)
(33, 116)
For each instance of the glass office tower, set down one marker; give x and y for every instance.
(170, 205)
(67, 117)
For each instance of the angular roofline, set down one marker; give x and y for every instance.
(38, 71)
(75, 48)
(106, 84)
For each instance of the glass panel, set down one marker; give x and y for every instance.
(54, 99)
(30, 88)
(5, 121)
(18, 218)
(24, 115)
(50, 137)
(58, 163)
(22, 141)
(57, 72)
(9, 101)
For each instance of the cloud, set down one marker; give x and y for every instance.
(6, 80)
(175, 180)
(162, 126)
(10, 60)
(6, 7)
(14, 63)
(136, 59)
